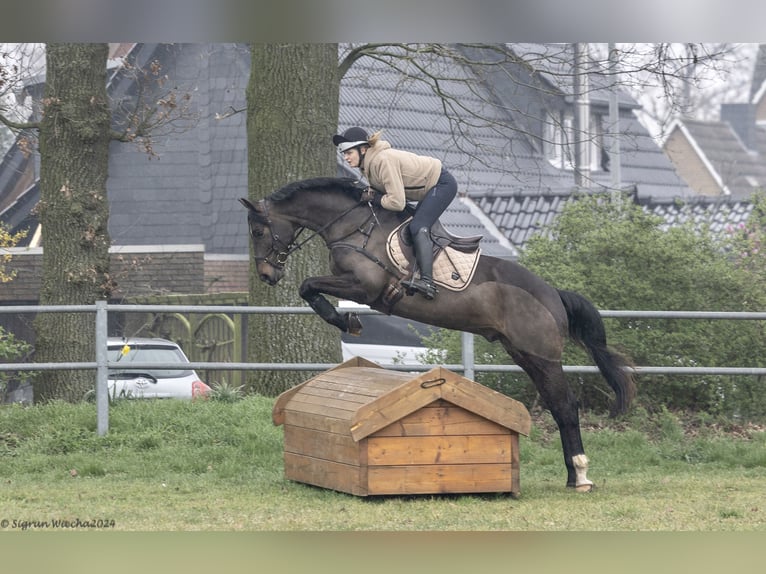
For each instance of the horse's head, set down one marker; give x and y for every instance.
(317, 204)
(272, 239)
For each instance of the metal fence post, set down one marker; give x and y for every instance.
(468, 359)
(102, 371)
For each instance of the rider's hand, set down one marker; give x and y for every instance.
(369, 195)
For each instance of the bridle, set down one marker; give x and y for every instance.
(282, 249)
(279, 248)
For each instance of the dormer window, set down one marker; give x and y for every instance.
(559, 141)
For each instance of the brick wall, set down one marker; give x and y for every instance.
(150, 270)
(226, 273)
(27, 263)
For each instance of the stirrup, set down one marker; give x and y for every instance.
(426, 288)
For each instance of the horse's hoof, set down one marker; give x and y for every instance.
(585, 487)
(354, 324)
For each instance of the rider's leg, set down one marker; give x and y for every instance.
(425, 257)
(428, 211)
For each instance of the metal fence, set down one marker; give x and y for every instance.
(468, 366)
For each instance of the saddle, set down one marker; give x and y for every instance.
(442, 238)
(455, 257)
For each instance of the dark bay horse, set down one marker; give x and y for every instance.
(504, 301)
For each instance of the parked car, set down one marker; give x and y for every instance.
(126, 381)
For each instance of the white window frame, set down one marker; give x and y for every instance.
(559, 140)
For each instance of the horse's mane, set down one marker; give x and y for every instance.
(347, 185)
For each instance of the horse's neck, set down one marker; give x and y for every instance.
(316, 211)
(335, 217)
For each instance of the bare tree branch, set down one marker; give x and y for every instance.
(18, 126)
(678, 75)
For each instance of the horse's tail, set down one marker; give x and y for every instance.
(587, 329)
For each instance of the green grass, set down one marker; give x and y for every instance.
(213, 465)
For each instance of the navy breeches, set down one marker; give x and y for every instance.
(434, 203)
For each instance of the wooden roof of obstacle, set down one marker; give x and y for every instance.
(363, 397)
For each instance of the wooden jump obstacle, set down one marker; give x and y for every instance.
(362, 429)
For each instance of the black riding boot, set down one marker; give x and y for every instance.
(425, 256)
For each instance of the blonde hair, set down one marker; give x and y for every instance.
(375, 138)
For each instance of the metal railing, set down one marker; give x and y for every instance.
(468, 367)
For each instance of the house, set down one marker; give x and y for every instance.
(514, 154)
(725, 157)
(721, 158)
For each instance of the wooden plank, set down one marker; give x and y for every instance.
(477, 449)
(435, 479)
(367, 376)
(318, 421)
(321, 445)
(367, 389)
(324, 473)
(339, 393)
(319, 409)
(361, 390)
(278, 410)
(364, 468)
(302, 399)
(515, 466)
(441, 418)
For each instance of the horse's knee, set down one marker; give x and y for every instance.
(307, 293)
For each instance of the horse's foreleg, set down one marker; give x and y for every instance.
(346, 322)
(312, 291)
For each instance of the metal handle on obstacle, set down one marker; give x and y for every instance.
(433, 383)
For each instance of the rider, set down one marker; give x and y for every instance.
(402, 176)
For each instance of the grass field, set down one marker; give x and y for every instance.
(216, 466)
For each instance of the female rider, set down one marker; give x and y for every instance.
(395, 177)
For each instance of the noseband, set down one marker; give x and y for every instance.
(278, 247)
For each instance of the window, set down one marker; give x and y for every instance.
(559, 128)
(559, 141)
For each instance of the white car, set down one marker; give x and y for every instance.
(126, 381)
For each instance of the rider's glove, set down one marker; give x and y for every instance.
(370, 195)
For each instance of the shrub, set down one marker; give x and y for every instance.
(12, 349)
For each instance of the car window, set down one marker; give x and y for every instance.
(147, 354)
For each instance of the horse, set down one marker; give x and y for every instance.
(503, 302)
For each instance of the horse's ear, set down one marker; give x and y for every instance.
(247, 204)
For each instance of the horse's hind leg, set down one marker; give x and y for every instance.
(549, 378)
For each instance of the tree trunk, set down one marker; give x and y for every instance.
(292, 113)
(73, 212)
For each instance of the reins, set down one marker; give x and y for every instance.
(293, 245)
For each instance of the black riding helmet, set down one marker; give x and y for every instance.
(351, 138)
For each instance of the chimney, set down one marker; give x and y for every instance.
(741, 117)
